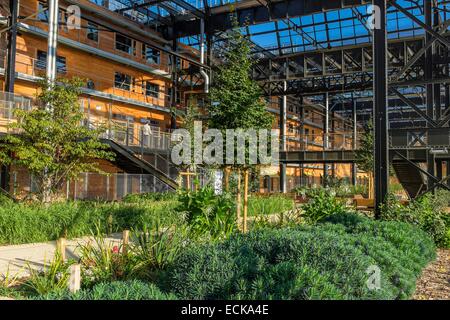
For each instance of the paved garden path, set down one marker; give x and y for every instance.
(16, 258)
(434, 283)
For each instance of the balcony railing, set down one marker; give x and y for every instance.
(319, 142)
(128, 133)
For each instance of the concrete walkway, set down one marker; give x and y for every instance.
(17, 258)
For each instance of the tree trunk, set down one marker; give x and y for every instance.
(238, 196)
(244, 228)
(46, 189)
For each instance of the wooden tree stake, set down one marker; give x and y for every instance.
(244, 229)
(227, 178)
(238, 196)
(125, 240)
(61, 248)
(75, 278)
(110, 223)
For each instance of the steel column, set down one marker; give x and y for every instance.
(381, 170)
(302, 136)
(428, 76)
(173, 96)
(354, 168)
(283, 105)
(12, 45)
(326, 130)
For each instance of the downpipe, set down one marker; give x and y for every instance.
(202, 55)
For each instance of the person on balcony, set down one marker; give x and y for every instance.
(146, 133)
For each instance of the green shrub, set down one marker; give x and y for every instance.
(208, 214)
(325, 261)
(117, 290)
(260, 205)
(426, 212)
(322, 203)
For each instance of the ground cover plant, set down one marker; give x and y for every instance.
(325, 261)
(116, 290)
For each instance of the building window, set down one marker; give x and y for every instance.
(125, 44)
(150, 54)
(92, 31)
(42, 14)
(41, 62)
(151, 89)
(122, 81)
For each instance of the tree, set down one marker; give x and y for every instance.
(52, 142)
(236, 100)
(188, 120)
(364, 154)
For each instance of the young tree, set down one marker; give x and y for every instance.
(51, 140)
(236, 100)
(364, 154)
(188, 120)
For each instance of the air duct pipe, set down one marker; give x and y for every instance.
(52, 40)
(202, 55)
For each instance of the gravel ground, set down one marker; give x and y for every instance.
(434, 283)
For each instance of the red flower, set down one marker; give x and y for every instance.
(115, 249)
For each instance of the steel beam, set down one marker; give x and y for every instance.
(12, 45)
(381, 158)
(427, 25)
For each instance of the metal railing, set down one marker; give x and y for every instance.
(318, 142)
(128, 133)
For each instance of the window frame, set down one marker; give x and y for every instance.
(121, 86)
(154, 57)
(151, 93)
(89, 31)
(131, 48)
(41, 5)
(41, 64)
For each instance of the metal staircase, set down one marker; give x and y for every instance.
(410, 178)
(127, 160)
